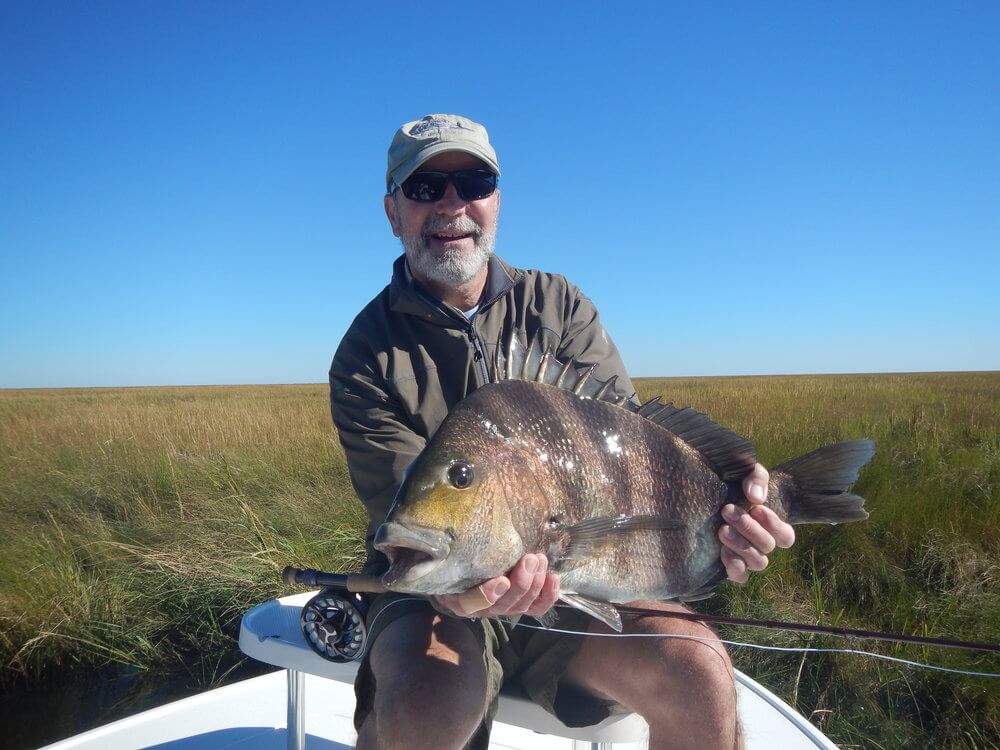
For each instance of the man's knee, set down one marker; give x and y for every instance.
(694, 670)
(427, 665)
(680, 659)
(701, 662)
(426, 637)
(686, 688)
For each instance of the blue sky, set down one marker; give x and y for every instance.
(192, 192)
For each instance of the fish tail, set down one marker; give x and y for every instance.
(813, 488)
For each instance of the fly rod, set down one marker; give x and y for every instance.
(476, 600)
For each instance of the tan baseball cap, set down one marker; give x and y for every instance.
(418, 141)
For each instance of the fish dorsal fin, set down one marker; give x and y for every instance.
(729, 455)
(539, 364)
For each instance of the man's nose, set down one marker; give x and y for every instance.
(451, 202)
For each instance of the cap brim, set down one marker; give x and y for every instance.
(442, 147)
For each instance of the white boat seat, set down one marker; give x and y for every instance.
(271, 633)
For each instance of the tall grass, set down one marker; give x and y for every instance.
(136, 525)
(927, 561)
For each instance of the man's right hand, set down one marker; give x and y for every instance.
(527, 589)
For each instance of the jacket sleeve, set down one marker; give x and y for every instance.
(586, 341)
(378, 440)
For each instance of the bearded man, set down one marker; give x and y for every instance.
(431, 677)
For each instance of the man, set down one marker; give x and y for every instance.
(431, 677)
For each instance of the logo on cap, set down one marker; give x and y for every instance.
(437, 124)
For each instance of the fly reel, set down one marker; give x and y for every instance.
(333, 623)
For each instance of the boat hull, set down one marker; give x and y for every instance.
(251, 715)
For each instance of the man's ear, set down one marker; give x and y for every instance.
(392, 214)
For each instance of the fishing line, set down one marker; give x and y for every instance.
(787, 649)
(703, 639)
(802, 627)
(360, 583)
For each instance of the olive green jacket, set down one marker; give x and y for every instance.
(408, 358)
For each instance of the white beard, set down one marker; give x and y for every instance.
(455, 267)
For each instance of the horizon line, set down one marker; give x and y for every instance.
(632, 377)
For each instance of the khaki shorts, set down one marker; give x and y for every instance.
(519, 660)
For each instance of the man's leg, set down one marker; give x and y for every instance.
(685, 689)
(430, 684)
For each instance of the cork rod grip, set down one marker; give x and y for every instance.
(470, 602)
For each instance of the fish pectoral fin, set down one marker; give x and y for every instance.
(606, 613)
(548, 619)
(586, 538)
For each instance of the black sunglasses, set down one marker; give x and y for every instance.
(471, 184)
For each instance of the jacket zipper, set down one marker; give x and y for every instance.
(478, 355)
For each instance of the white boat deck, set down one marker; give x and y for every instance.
(250, 715)
(253, 714)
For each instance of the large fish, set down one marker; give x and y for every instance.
(624, 500)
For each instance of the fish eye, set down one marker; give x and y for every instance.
(460, 475)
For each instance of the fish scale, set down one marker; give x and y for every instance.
(650, 473)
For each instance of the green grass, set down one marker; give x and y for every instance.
(926, 562)
(136, 525)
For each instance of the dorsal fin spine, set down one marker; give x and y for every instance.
(583, 379)
(543, 366)
(538, 365)
(608, 385)
(509, 368)
(562, 373)
(497, 363)
(525, 373)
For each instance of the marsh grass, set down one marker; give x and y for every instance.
(926, 562)
(136, 525)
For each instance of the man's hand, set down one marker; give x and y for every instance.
(527, 589)
(748, 537)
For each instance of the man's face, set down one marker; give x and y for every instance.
(447, 241)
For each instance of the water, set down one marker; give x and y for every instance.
(40, 712)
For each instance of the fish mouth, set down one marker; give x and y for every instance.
(413, 552)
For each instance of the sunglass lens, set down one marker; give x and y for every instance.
(475, 184)
(425, 186)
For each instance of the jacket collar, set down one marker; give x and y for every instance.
(406, 296)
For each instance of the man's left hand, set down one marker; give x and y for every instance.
(749, 536)
(527, 589)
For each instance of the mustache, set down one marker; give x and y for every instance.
(462, 224)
